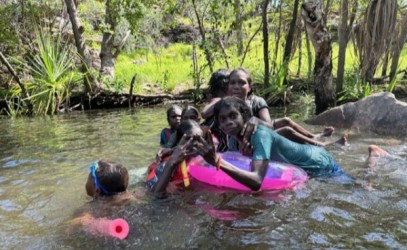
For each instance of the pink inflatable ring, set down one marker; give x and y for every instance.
(279, 175)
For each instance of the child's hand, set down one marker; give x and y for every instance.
(206, 149)
(249, 128)
(182, 150)
(163, 152)
(245, 148)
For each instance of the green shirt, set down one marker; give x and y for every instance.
(268, 144)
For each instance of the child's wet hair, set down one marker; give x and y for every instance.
(112, 176)
(248, 75)
(219, 82)
(189, 108)
(233, 102)
(185, 126)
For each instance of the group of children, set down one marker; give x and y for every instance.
(234, 119)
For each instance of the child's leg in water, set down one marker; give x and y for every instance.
(287, 122)
(295, 136)
(375, 153)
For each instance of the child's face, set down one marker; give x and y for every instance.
(238, 85)
(174, 119)
(230, 121)
(190, 115)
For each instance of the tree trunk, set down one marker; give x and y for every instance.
(326, 10)
(385, 63)
(107, 58)
(312, 14)
(309, 55)
(289, 39)
(278, 35)
(398, 45)
(290, 35)
(78, 29)
(375, 35)
(17, 79)
(265, 43)
(299, 57)
(342, 40)
(205, 48)
(239, 27)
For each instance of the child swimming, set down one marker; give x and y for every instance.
(107, 184)
(173, 119)
(107, 179)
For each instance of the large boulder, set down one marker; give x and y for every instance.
(380, 113)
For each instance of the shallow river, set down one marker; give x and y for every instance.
(44, 163)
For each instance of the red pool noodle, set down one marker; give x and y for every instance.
(118, 228)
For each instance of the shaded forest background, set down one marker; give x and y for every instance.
(64, 55)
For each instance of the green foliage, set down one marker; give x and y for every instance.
(15, 107)
(167, 68)
(7, 33)
(92, 14)
(355, 87)
(52, 69)
(276, 92)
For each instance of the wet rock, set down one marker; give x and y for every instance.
(379, 113)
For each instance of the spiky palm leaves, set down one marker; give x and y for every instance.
(52, 69)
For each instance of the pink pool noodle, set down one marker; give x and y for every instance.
(118, 228)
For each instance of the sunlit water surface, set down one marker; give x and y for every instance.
(44, 165)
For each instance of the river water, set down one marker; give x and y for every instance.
(44, 163)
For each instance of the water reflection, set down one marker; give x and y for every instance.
(44, 164)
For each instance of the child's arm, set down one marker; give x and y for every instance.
(83, 220)
(178, 155)
(208, 109)
(251, 179)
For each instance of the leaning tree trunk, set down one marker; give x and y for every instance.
(290, 35)
(90, 83)
(265, 43)
(312, 14)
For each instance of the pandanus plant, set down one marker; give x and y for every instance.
(53, 73)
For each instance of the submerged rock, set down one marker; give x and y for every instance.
(379, 113)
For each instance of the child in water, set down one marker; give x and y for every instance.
(166, 175)
(240, 85)
(231, 113)
(173, 119)
(188, 113)
(218, 85)
(108, 180)
(107, 183)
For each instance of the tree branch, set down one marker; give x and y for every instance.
(17, 79)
